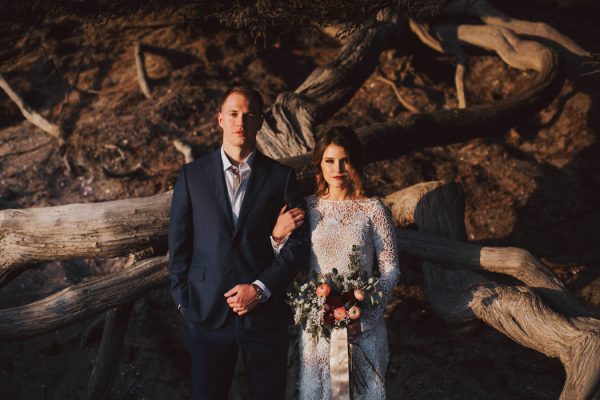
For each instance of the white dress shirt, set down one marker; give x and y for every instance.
(236, 196)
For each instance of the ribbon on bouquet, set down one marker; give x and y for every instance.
(339, 369)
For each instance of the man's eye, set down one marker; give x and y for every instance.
(233, 114)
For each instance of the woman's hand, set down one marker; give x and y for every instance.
(287, 222)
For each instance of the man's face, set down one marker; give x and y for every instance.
(240, 121)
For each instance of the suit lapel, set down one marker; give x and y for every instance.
(257, 179)
(217, 180)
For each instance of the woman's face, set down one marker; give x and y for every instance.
(335, 166)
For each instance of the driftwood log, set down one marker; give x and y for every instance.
(458, 293)
(97, 230)
(540, 313)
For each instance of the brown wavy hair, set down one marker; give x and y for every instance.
(345, 137)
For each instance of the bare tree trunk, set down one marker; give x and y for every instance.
(517, 311)
(513, 261)
(92, 230)
(289, 124)
(107, 361)
(83, 300)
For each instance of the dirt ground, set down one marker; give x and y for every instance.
(536, 187)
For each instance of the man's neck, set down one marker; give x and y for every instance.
(236, 154)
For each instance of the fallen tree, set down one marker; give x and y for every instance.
(540, 313)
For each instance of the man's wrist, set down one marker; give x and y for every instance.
(261, 296)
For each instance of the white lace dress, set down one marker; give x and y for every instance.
(335, 227)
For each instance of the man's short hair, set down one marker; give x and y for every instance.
(250, 93)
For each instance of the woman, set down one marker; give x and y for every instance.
(340, 216)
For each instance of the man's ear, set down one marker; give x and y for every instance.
(220, 119)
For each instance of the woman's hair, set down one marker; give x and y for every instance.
(345, 137)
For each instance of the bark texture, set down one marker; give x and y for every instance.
(83, 300)
(94, 230)
(518, 311)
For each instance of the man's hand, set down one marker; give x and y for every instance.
(242, 299)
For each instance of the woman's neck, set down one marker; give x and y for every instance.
(338, 194)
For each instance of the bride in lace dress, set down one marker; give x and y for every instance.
(340, 217)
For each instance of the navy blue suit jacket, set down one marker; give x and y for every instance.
(208, 255)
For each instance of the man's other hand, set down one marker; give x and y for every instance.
(242, 299)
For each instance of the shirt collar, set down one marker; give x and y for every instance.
(227, 164)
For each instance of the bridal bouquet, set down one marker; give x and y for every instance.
(333, 300)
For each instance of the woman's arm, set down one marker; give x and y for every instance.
(384, 241)
(287, 222)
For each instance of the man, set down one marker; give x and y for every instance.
(224, 277)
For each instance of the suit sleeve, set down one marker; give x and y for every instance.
(293, 257)
(180, 239)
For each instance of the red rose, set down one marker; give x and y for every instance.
(340, 313)
(359, 294)
(323, 290)
(354, 312)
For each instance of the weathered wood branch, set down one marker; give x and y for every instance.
(93, 230)
(184, 149)
(83, 300)
(109, 352)
(416, 131)
(289, 124)
(517, 311)
(330, 86)
(140, 68)
(32, 116)
(538, 30)
(513, 261)
(405, 103)
(288, 127)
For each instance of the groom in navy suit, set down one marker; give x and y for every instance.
(224, 278)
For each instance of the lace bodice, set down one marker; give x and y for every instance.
(338, 225)
(335, 227)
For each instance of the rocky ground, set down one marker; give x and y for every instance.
(537, 187)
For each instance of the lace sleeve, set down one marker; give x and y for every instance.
(386, 252)
(278, 246)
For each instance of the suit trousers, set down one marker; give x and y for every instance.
(214, 353)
